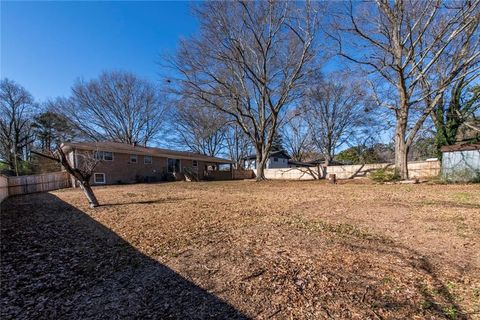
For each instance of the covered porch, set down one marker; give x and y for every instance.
(218, 171)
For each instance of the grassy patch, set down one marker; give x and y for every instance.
(462, 197)
(341, 229)
(451, 312)
(384, 175)
(278, 249)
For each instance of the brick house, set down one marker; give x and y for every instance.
(125, 163)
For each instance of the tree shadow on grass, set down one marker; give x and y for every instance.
(438, 300)
(57, 262)
(165, 200)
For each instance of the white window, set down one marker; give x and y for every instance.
(108, 156)
(104, 155)
(194, 163)
(147, 159)
(99, 155)
(99, 178)
(133, 158)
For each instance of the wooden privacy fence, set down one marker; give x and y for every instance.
(3, 188)
(10, 186)
(230, 175)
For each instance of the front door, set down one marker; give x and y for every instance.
(173, 165)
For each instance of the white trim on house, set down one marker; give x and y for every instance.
(117, 147)
(95, 178)
(100, 155)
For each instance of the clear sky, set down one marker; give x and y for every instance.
(46, 46)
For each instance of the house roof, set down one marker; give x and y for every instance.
(461, 147)
(300, 163)
(279, 154)
(140, 150)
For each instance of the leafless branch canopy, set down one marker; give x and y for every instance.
(117, 106)
(296, 135)
(249, 61)
(419, 48)
(334, 109)
(199, 128)
(16, 110)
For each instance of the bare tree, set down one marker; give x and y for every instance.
(81, 172)
(334, 109)
(199, 128)
(16, 111)
(249, 61)
(238, 144)
(403, 42)
(296, 135)
(117, 106)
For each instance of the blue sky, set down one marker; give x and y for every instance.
(46, 46)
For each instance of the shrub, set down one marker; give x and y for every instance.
(384, 175)
(463, 176)
(167, 176)
(476, 179)
(24, 168)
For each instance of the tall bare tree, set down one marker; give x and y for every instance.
(17, 108)
(249, 61)
(334, 109)
(117, 106)
(199, 128)
(403, 43)
(238, 145)
(296, 135)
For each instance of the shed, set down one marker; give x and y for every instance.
(461, 162)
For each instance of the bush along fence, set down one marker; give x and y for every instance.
(229, 175)
(10, 186)
(421, 169)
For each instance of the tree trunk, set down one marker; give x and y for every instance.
(321, 171)
(327, 161)
(87, 189)
(260, 162)
(401, 150)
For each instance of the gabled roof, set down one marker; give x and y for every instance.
(279, 154)
(461, 147)
(135, 149)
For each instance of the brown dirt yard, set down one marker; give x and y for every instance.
(240, 249)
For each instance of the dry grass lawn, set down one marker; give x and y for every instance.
(240, 249)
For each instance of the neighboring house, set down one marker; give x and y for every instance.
(461, 162)
(276, 160)
(125, 163)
